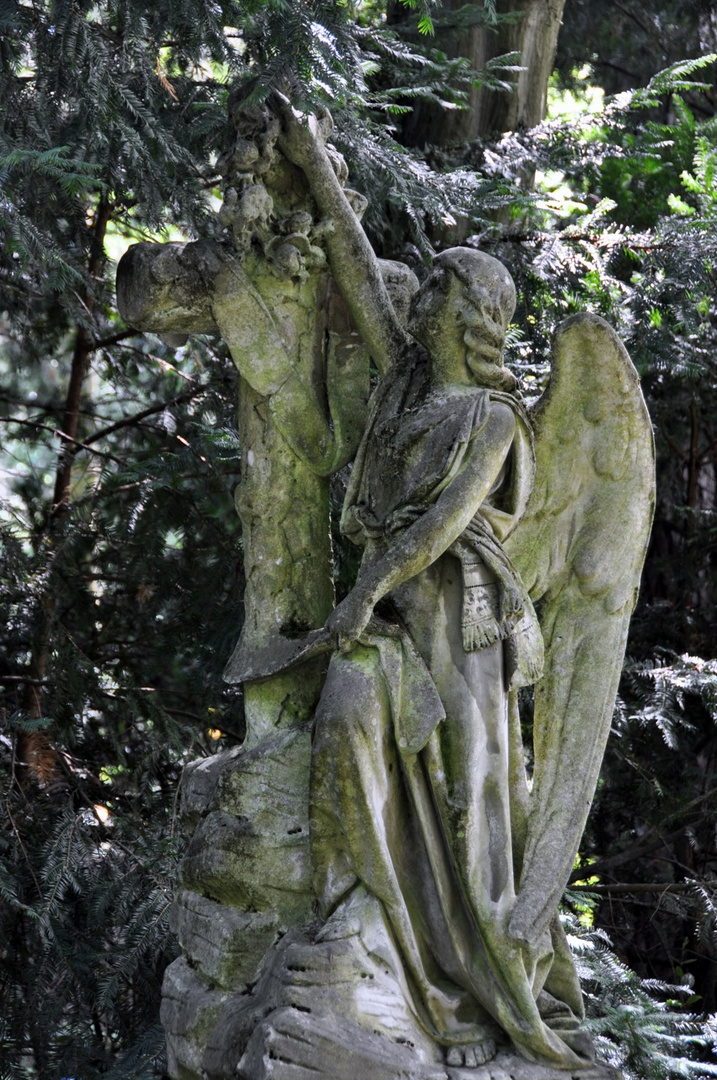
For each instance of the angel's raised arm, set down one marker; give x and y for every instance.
(353, 262)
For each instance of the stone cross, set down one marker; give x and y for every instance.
(264, 285)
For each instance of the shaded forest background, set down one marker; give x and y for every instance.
(120, 551)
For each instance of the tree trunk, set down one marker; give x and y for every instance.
(84, 347)
(34, 750)
(533, 34)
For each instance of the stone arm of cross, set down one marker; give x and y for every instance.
(201, 288)
(198, 288)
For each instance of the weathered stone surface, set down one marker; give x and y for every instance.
(234, 862)
(168, 287)
(198, 785)
(251, 847)
(240, 1016)
(286, 1047)
(437, 871)
(263, 284)
(432, 814)
(271, 783)
(594, 487)
(272, 779)
(507, 1066)
(225, 944)
(323, 978)
(334, 1006)
(188, 1014)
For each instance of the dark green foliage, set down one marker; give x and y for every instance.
(623, 223)
(653, 824)
(641, 251)
(118, 608)
(88, 107)
(641, 1026)
(630, 235)
(116, 615)
(647, 875)
(85, 938)
(138, 595)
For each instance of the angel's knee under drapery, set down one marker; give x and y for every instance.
(429, 836)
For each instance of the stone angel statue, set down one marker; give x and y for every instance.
(502, 549)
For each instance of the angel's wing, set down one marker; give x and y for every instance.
(580, 548)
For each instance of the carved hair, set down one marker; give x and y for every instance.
(486, 308)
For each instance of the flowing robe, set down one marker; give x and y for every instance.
(419, 794)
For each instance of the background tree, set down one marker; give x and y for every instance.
(488, 36)
(120, 579)
(117, 531)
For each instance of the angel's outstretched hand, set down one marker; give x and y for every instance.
(302, 134)
(348, 620)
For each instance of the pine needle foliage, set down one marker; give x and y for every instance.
(144, 586)
(649, 866)
(641, 1026)
(621, 222)
(93, 952)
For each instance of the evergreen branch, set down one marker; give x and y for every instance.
(113, 339)
(77, 444)
(130, 421)
(19, 839)
(637, 887)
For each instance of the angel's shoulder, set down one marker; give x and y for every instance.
(501, 409)
(501, 419)
(479, 409)
(493, 430)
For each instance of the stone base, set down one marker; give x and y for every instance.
(249, 812)
(259, 993)
(246, 880)
(293, 1045)
(226, 945)
(335, 1006)
(322, 1009)
(189, 1013)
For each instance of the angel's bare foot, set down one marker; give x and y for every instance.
(473, 1055)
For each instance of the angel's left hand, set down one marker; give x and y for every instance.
(349, 619)
(300, 133)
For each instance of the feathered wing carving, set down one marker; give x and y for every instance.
(580, 548)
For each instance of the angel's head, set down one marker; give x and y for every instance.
(461, 313)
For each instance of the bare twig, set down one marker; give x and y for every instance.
(637, 887)
(632, 854)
